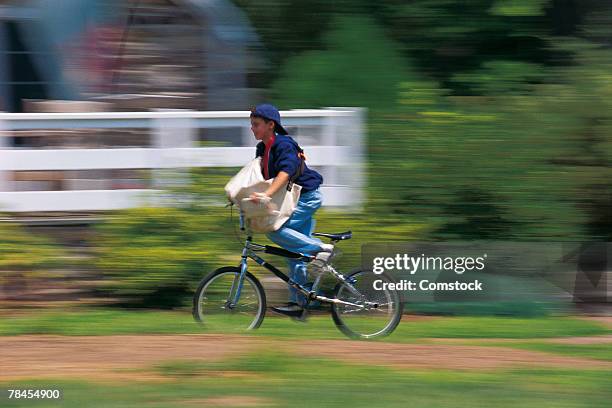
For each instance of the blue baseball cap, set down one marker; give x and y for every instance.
(270, 112)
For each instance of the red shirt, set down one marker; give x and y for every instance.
(266, 156)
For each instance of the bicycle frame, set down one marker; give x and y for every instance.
(249, 251)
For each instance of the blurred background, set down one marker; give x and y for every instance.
(431, 120)
(487, 120)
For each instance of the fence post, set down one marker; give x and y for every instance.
(330, 172)
(247, 137)
(357, 140)
(346, 128)
(168, 133)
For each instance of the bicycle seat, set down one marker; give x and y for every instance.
(335, 237)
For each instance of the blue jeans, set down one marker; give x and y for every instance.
(296, 235)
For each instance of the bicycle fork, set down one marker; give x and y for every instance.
(237, 283)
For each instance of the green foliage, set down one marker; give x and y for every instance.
(286, 26)
(446, 37)
(501, 78)
(526, 161)
(518, 8)
(355, 45)
(154, 256)
(25, 252)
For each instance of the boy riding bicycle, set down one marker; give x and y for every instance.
(281, 161)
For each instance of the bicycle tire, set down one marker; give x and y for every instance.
(198, 314)
(393, 322)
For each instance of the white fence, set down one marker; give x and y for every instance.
(332, 139)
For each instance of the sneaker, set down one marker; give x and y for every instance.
(323, 256)
(327, 247)
(291, 309)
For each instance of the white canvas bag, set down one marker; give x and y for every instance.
(247, 176)
(261, 218)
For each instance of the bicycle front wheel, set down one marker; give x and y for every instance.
(372, 313)
(213, 301)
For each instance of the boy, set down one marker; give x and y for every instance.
(280, 161)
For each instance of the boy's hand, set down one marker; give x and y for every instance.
(259, 198)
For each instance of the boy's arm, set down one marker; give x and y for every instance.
(279, 182)
(287, 163)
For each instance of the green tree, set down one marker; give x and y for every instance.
(359, 66)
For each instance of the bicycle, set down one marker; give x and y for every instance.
(232, 296)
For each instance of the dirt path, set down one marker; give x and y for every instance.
(445, 356)
(605, 339)
(133, 356)
(577, 340)
(111, 356)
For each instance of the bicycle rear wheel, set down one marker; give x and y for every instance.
(212, 301)
(376, 313)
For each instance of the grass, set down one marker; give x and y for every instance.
(93, 322)
(593, 351)
(97, 322)
(282, 379)
(501, 327)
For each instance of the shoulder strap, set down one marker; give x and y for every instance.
(300, 169)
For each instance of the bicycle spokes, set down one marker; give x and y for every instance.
(364, 311)
(219, 307)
